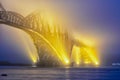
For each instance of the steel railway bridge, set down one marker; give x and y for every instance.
(43, 37)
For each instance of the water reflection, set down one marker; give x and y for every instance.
(61, 74)
(67, 74)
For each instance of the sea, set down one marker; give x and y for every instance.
(33, 73)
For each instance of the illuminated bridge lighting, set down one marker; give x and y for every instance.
(55, 45)
(60, 54)
(92, 55)
(76, 56)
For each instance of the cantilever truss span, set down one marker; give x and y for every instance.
(55, 46)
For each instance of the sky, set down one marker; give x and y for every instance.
(98, 20)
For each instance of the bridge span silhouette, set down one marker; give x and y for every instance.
(55, 45)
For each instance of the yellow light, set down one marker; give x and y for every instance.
(77, 63)
(55, 41)
(34, 60)
(97, 63)
(67, 61)
(49, 44)
(92, 55)
(32, 54)
(87, 62)
(59, 51)
(86, 41)
(76, 54)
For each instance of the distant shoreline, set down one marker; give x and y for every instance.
(82, 68)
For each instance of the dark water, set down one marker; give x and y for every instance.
(61, 74)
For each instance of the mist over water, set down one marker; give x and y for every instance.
(96, 19)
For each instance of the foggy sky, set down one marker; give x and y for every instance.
(98, 19)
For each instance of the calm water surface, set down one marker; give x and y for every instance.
(61, 74)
